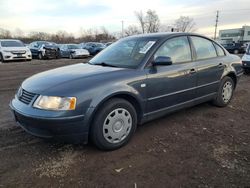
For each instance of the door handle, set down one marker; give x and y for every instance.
(192, 71)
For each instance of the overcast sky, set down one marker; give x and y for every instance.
(71, 15)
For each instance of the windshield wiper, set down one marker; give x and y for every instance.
(103, 64)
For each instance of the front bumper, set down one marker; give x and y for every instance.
(10, 56)
(246, 64)
(70, 129)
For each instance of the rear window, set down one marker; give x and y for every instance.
(204, 48)
(12, 44)
(219, 50)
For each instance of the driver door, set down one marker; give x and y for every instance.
(173, 86)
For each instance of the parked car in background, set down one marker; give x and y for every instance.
(82, 45)
(108, 44)
(137, 79)
(94, 47)
(44, 50)
(235, 48)
(13, 50)
(246, 60)
(73, 51)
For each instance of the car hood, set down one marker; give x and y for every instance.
(51, 79)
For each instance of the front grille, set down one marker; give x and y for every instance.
(18, 52)
(25, 96)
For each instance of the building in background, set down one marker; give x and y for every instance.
(239, 35)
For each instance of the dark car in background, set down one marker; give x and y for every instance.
(235, 48)
(94, 47)
(44, 50)
(73, 51)
(137, 79)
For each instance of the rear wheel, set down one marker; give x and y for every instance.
(225, 92)
(114, 124)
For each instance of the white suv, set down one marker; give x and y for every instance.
(13, 50)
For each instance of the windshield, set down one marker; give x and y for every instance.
(12, 44)
(73, 46)
(127, 53)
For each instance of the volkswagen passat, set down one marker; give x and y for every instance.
(135, 80)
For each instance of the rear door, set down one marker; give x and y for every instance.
(209, 66)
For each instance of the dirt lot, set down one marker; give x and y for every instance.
(203, 146)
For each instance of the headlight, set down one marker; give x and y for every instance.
(55, 103)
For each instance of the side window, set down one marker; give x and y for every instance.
(177, 48)
(204, 48)
(219, 50)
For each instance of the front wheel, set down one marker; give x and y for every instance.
(114, 124)
(225, 92)
(247, 71)
(1, 58)
(40, 56)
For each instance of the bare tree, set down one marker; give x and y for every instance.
(152, 21)
(141, 18)
(132, 30)
(184, 24)
(149, 22)
(4, 33)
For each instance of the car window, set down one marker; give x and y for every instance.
(10, 43)
(177, 48)
(204, 48)
(220, 51)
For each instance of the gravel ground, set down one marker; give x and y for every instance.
(203, 146)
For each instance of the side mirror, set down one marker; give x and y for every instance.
(162, 60)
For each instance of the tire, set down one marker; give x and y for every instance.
(114, 124)
(225, 92)
(40, 56)
(247, 71)
(1, 58)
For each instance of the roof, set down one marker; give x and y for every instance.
(162, 35)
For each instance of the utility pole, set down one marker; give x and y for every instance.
(216, 24)
(122, 28)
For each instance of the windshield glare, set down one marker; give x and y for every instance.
(127, 53)
(12, 44)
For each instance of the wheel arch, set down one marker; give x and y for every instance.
(123, 95)
(233, 76)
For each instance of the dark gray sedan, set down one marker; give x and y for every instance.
(135, 80)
